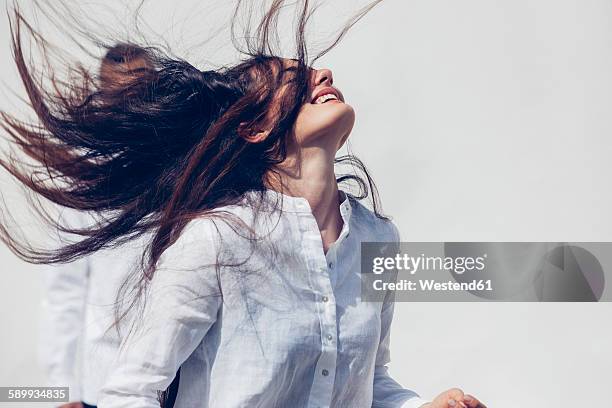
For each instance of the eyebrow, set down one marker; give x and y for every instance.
(294, 68)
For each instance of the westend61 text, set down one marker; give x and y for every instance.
(432, 285)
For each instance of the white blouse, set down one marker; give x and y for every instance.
(278, 324)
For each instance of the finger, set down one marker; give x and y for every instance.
(472, 402)
(452, 403)
(455, 398)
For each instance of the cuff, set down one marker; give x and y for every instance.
(415, 403)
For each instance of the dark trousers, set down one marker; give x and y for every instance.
(88, 406)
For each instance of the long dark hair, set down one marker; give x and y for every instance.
(161, 147)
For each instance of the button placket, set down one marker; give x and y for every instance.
(323, 384)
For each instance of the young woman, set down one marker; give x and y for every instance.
(250, 287)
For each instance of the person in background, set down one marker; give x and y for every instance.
(78, 308)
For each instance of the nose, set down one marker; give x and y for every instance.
(324, 77)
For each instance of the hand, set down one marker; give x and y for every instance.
(72, 405)
(455, 398)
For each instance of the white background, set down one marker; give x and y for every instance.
(481, 120)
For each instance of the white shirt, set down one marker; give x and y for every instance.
(77, 311)
(289, 330)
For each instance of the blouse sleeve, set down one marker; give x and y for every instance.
(388, 393)
(181, 305)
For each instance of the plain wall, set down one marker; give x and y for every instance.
(481, 120)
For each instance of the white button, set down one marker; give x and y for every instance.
(325, 299)
(331, 265)
(330, 337)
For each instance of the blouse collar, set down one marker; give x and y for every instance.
(296, 204)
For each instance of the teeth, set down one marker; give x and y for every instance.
(325, 98)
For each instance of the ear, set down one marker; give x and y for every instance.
(252, 135)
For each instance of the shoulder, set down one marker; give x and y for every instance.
(198, 239)
(200, 229)
(372, 227)
(210, 239)
(207, 232)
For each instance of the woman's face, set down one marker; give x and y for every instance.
(325, 120)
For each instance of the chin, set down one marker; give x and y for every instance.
(346, 121)
(324, 124)
(338, 118)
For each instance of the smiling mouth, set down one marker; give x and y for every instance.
(326, 98)
(326, 95)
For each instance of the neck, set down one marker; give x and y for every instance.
(312, 177)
